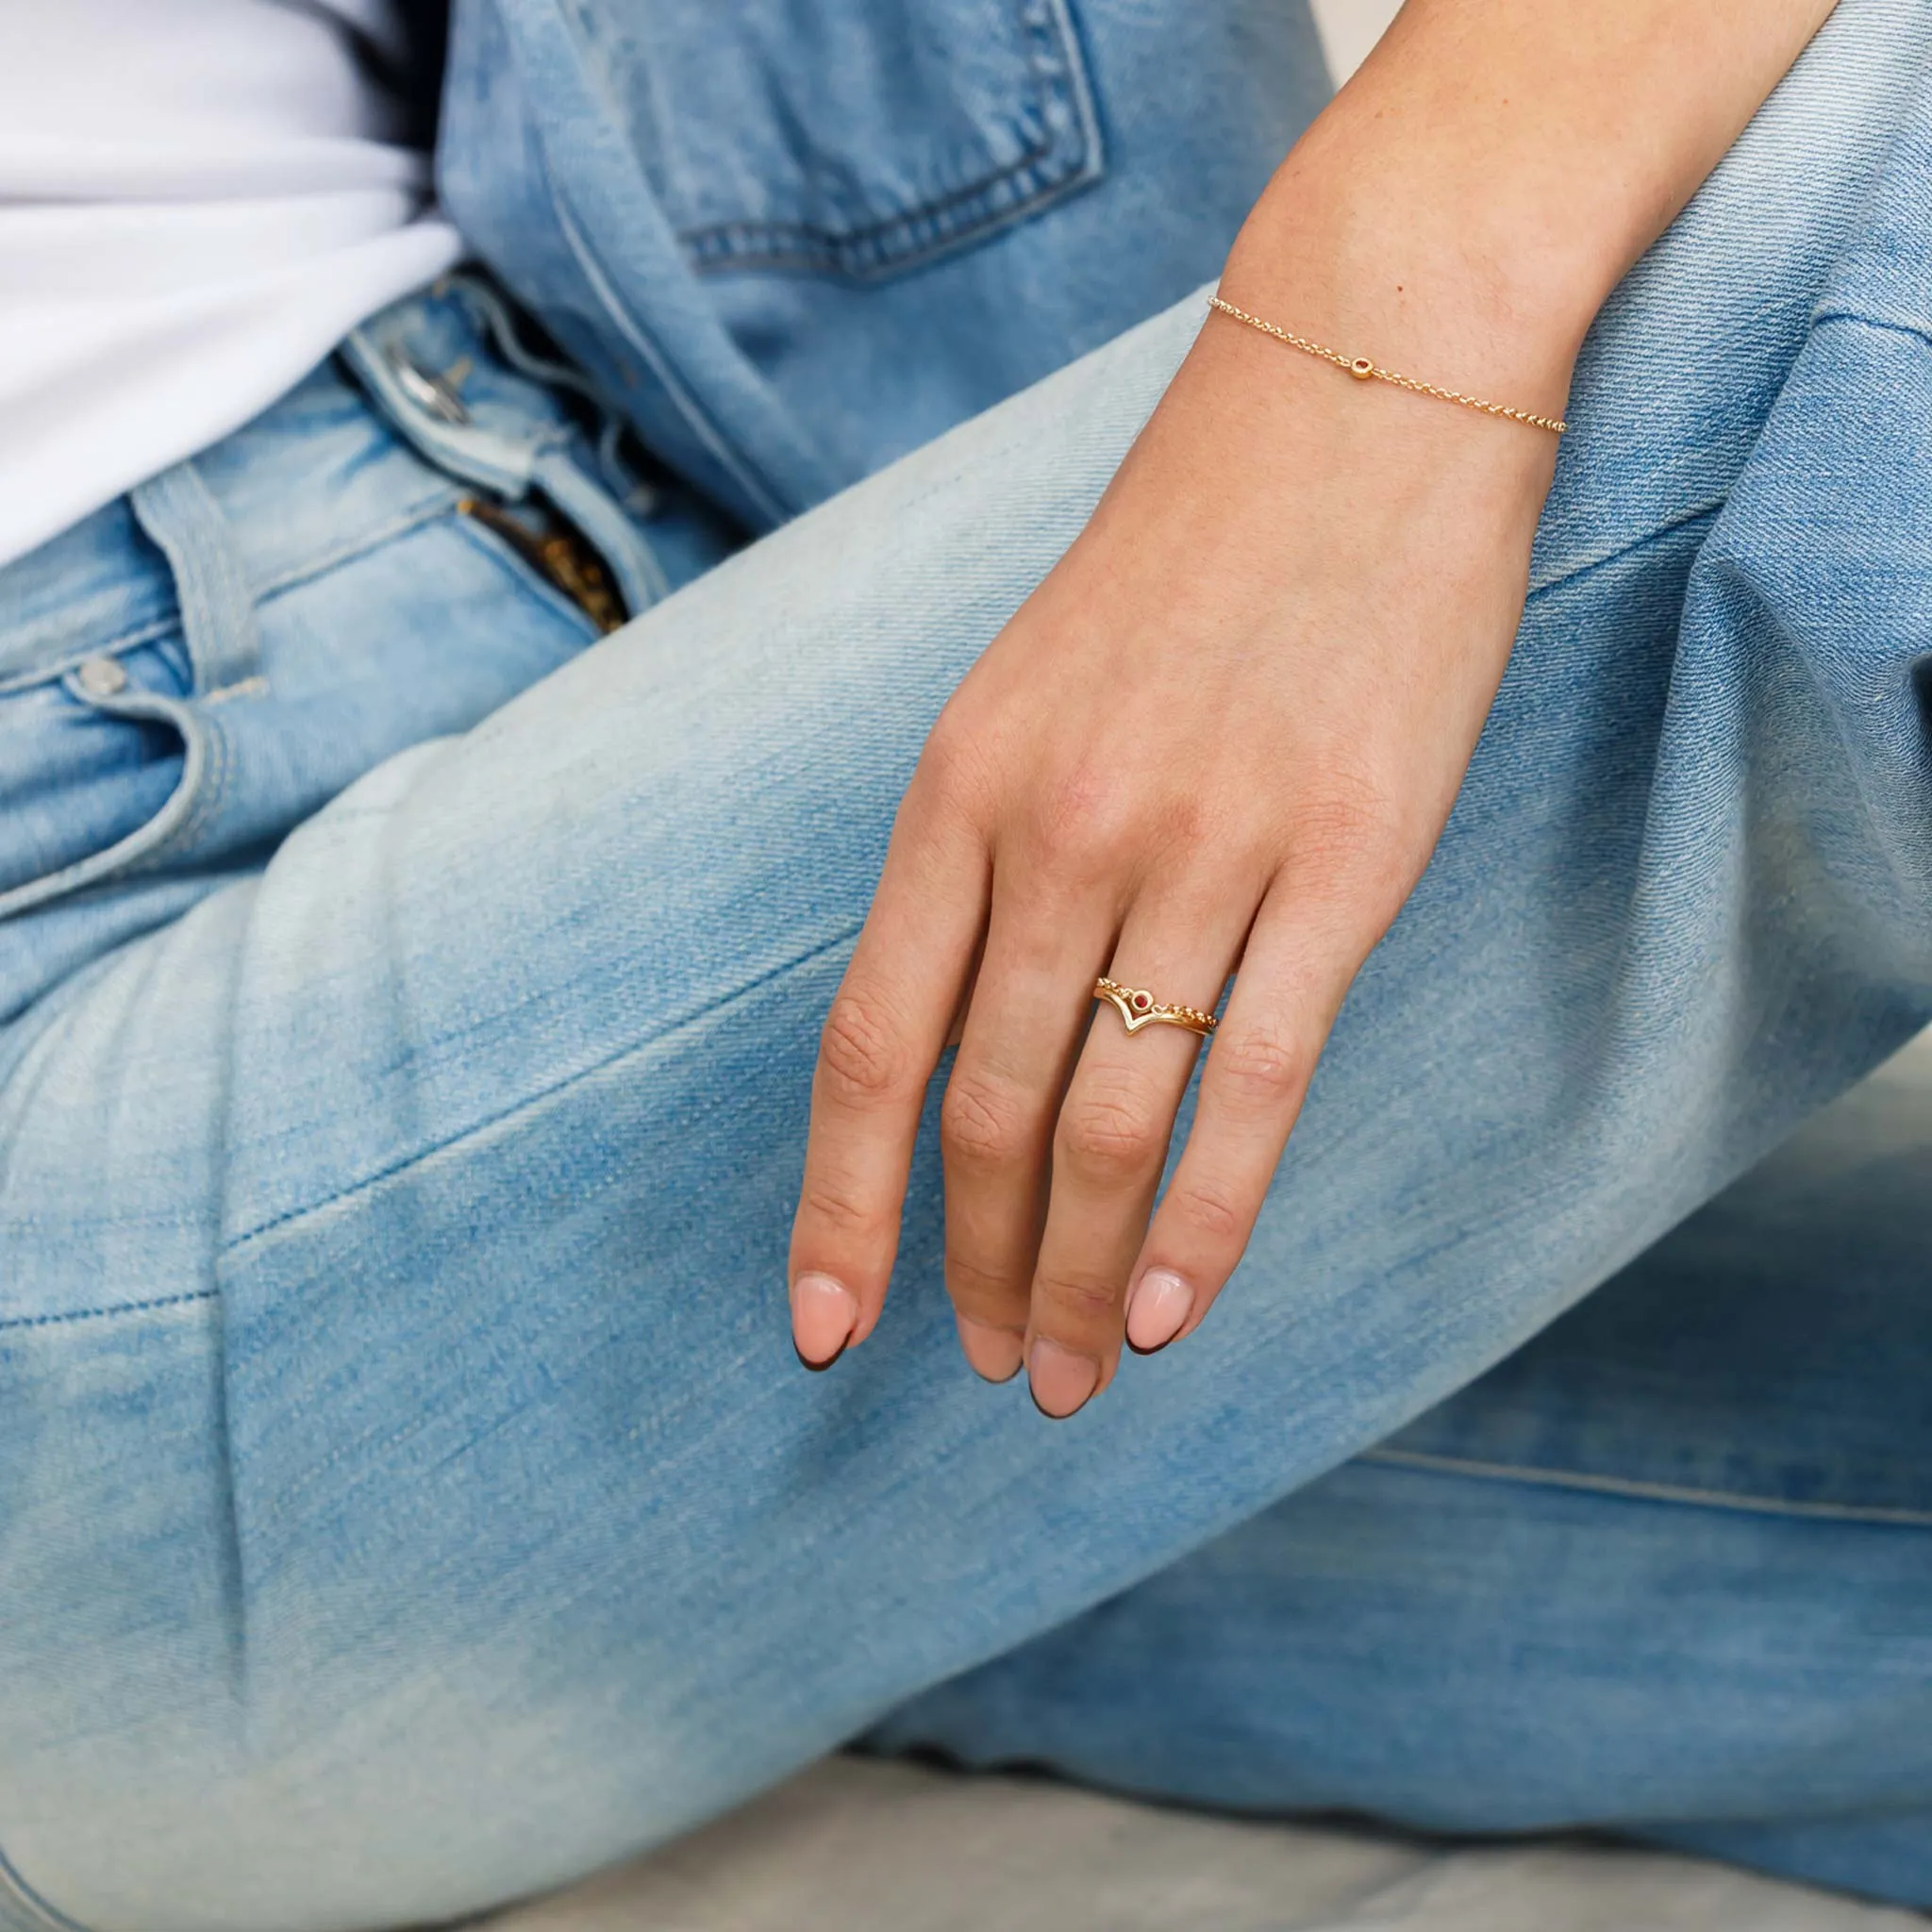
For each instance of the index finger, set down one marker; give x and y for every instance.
(881, 1042)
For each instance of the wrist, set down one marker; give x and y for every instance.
(1439, 239)
(1383, 254)
(1471, 198)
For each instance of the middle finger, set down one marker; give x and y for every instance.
(1112, 1141)
(1044, 943)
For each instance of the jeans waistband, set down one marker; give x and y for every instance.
(419, 406)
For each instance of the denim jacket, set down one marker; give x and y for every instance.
(798, 237)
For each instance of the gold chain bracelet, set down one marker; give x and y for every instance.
(1365, 371)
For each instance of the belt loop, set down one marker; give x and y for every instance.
(180, 513)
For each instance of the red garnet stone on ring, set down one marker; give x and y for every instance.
(1142, 1001)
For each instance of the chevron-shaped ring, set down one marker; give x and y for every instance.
(1139, 1008)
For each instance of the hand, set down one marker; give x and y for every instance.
(1226, 728)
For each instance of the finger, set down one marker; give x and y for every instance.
(881, 1042)
(1111, 1138)
(957, 1031)
(1293, 972)
(1030, 1009)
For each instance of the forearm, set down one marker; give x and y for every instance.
(1467, 201)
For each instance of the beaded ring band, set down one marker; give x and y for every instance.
(1139, 1008)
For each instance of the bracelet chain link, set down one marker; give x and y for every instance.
(1363, 369)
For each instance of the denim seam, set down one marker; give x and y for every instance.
(127, 856)
(1669, 527)
(759, 487)
(212, 789)
(738, 244)
(736, 247)
(112, 646)
(15, 1890)
(233, 1244)
(439, 503)
(11, 1322)
(1913, 331)
(213, 795)
(1637, 1490)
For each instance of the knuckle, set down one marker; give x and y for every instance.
(1209, 1215)
(979, 1289)
(1350, 839)
(1079, 1302)
(860, 1054)
(1110, 1137)
(983, 1124)
(1083, 821)
(839, 1208)
(1349, 810)
(1259, 1068)
(951, 767)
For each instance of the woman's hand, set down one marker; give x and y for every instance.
(1224, 733)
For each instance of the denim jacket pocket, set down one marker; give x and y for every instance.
(854, 140)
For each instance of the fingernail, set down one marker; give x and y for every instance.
(1060, 1380)
(824, 1314)
(1157, 1309)
(994, 1353)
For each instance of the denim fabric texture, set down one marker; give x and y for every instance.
(798, 242)
(1681, 1532)
(410, 1497)
(194, 670)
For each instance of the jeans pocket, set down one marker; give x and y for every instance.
(101, 766)
(852, 140)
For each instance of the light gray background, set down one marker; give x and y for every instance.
(1349, 28)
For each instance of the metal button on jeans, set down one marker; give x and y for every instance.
(101, 677)
(431, 392)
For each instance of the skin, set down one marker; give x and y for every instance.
(1223, 735)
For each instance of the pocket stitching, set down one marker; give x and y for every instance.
(182, 812)
(1643, 1490)
(1072, 140)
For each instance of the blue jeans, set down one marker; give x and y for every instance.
(411, 1498)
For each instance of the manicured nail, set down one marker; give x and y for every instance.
(1157, 1310)
(994, 1353)
(824, 1314)
(1060, 1380)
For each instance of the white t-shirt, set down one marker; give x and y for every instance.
(198, 199)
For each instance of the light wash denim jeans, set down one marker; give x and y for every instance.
(408, 1496)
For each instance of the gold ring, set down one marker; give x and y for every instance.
(1139, 1008)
